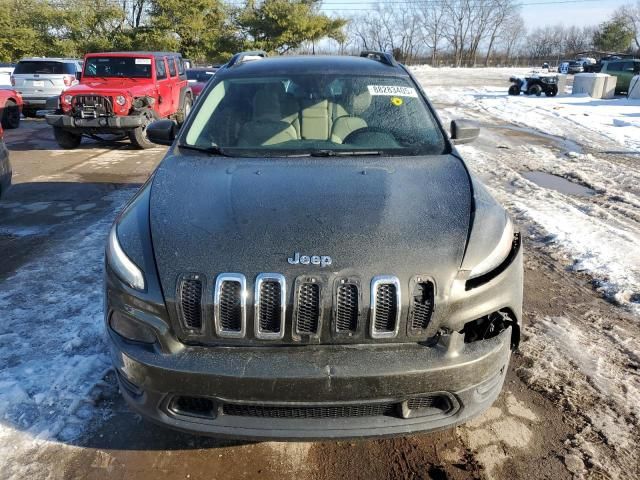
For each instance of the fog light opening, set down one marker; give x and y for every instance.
(201, 407)
(491, 326)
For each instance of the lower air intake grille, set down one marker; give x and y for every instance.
(421, 307)
(347, 308)
(308, 303)
(337, 411)
(230, 306)
(421, 402)
(270, 313)
(385, 316)
(190, 303)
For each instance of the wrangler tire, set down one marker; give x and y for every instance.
(138, 136)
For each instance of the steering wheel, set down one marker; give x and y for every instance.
(362, 130)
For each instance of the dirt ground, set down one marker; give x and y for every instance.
(536, 430)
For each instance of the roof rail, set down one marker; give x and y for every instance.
(383, 57)
(246, 57)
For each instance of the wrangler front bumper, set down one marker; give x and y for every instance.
(115, 122)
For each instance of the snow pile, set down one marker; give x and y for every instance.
(52, 350)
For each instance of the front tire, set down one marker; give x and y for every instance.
(514, 90)
(138, 136)
(185, 110)
(10, 115)
(66, 139)
(551, 91)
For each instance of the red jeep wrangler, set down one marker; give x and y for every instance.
(120, 94)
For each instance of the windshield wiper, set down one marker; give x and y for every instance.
(341, 153)
(212, 150)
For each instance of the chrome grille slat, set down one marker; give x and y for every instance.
(229, 305)
(270, 306)
(347, 307)
(308, 308)
(385, 306)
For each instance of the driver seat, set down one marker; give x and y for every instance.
(348, 123)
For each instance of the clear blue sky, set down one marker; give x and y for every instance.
(579, 13)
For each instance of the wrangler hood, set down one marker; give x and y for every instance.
(384, 216)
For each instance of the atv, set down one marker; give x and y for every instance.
(535, 84)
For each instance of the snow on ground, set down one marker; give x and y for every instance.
(586, 363)
(51, 343)
(602, 124)
(599, 234)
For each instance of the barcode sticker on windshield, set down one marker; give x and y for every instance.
(143, 61)
(392, 91)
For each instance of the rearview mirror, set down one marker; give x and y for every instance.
(464, 131)
(162, 132)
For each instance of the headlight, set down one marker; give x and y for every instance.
(122, 265)
(120, 100)
(498, 254)
(68, 99)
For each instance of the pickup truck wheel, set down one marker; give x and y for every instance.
(138, 136)
(66, 139)
(10, 115)
(186, 109)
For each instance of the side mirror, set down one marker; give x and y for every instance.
(162, 132)
(464, 131)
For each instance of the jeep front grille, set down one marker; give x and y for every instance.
(308, 308)
(92, 105)
(229, 305)
(190, 302)
(270, 306)
(385, 307)
(347, 307)
(421, 307)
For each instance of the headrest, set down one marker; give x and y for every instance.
(360, 102)
(267, 102)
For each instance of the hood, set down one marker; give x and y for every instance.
(401, 216)
(111, 87)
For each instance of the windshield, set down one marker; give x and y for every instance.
(315, 114)
(200, 75)
(117, 67)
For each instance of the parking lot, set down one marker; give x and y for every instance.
(569, 407)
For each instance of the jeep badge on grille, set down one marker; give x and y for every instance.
(322, 260)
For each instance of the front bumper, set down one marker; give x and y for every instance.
(100, 124)
(470, 375)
